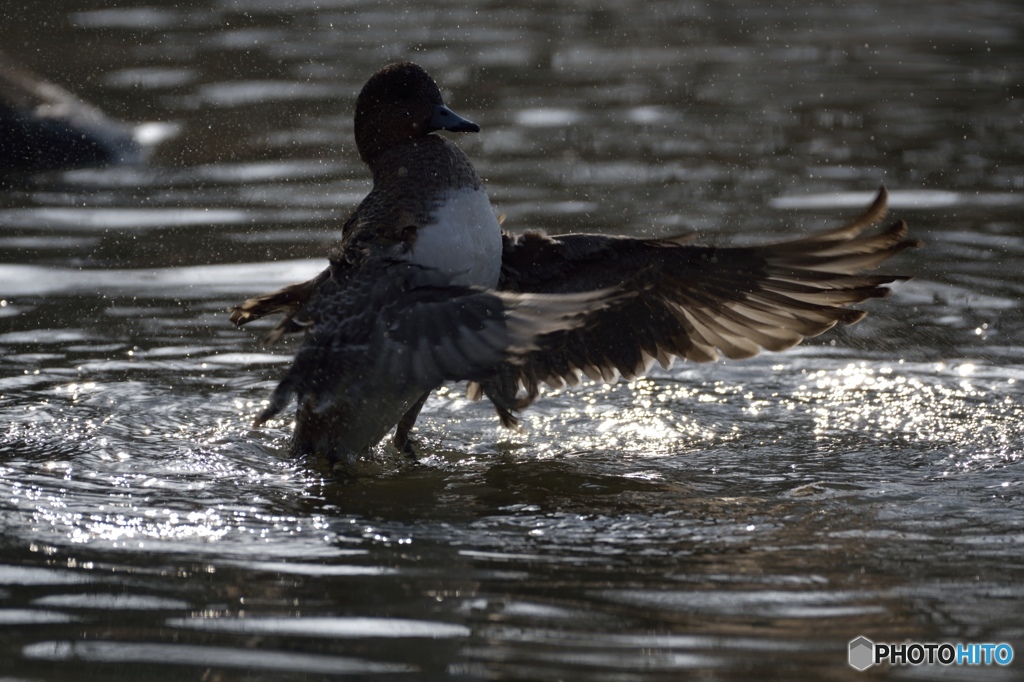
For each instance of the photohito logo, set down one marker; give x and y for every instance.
(864, 653)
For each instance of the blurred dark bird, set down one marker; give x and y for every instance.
(44, 127)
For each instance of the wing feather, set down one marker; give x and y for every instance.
(691, 301)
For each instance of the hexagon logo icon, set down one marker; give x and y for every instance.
(862, 653)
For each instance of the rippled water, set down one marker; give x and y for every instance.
(742, 520)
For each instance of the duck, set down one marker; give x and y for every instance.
(43, 127)
(426, 287)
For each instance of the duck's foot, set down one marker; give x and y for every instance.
(407, 446)
(402, 441)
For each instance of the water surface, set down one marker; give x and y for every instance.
(735, 521)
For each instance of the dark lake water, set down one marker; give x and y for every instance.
(732, 521)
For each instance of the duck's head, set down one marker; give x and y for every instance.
(400, 103)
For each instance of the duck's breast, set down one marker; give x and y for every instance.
(463, 239)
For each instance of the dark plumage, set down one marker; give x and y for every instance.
(382, 335)
(44, 127)
(386, 324)
(692, 302)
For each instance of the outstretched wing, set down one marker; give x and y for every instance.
(693, 302)
(400, 329)
(369, 232)
(289, 301)
(434, 331)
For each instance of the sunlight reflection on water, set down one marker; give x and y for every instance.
(924, 403)
(731, 520)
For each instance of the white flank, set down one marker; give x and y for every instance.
(464, 240)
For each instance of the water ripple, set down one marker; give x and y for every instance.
(207, 656)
